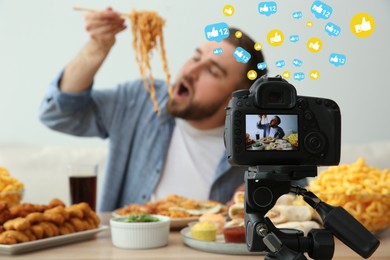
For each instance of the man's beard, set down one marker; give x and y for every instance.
(192, 110)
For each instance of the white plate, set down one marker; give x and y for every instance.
(175, 222)
(49, 242)
(219, 246)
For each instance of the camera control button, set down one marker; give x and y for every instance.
(237, 114)
(301, 103)
(315, 142)
(237, 140)
(308, 115)
(239, 103)
(248, 103)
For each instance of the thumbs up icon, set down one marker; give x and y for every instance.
(213, 33)
(364, 26)
(264, 8)
(314, 46)
(276, 38)
(318, 9)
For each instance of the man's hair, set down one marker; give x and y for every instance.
(278, 118)
(248, 44)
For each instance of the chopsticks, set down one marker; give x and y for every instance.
(84, 9)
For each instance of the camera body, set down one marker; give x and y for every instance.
(307, 130)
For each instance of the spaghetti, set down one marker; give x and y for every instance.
(147, 29)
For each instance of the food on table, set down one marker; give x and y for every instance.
(147, 29)
(234, 234)
(11, 189)
(236, 211)
(29, 222)
(143, 217)
(267, 140)
(292, 139)
(286, 213)
(174, 206)
(257, 146)
(360, 189)
(304, 226)
(218, 219)
(234, 230)
(206, 231)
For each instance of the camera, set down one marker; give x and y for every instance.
(269, 124)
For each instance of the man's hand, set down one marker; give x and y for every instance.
(103, 26)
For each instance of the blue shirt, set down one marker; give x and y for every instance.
(138, 139)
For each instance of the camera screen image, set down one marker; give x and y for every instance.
(271, 132)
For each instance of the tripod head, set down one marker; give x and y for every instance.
(264, 185)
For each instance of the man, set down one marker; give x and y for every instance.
(272, 128)
(180, 151)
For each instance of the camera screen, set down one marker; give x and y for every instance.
(271, 132)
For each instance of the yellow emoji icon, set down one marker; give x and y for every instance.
(228, 10)
(238, 34)
(314, 74)
(314, 44)
(275, 37)
(252, 74)
(362, 25)
(286, 74)
(258, 46)
(309, 24)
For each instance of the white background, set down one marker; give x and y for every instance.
(38, 38)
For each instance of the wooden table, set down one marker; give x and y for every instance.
(102, 248)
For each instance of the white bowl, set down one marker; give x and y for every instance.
(140, 235)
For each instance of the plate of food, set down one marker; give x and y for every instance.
(181, 210)
(50, 242)
(218, 246)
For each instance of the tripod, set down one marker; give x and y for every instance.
(264, 185)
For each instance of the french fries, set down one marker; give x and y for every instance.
(362, 190)
(11, 189)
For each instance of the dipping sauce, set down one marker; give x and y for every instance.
(234, 234)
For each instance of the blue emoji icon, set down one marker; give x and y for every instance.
(297, 15)
(321, 10)
(262, 65)
(241, 55)
(280, 64)
(299, 76)
(297, 63)
(332, 29)
(337, 59)
(216, 32)
(267, 8)
(217, 51)
(294, 38)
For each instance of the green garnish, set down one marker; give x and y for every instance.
(143, 217)
(257, 144)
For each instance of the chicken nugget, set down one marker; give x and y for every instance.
(91, 223)
(91, 214)
(69, 226)
(35, 217)
(64, 230)
(78, 224)
(50, 230)
(56, 202)
(38, 231)
(56, 218)
(75, 211)
(31, 236)
(5, 213)
(13, 235)
(18, 224)
(7, 240)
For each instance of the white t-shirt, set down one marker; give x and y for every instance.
(192, 158)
